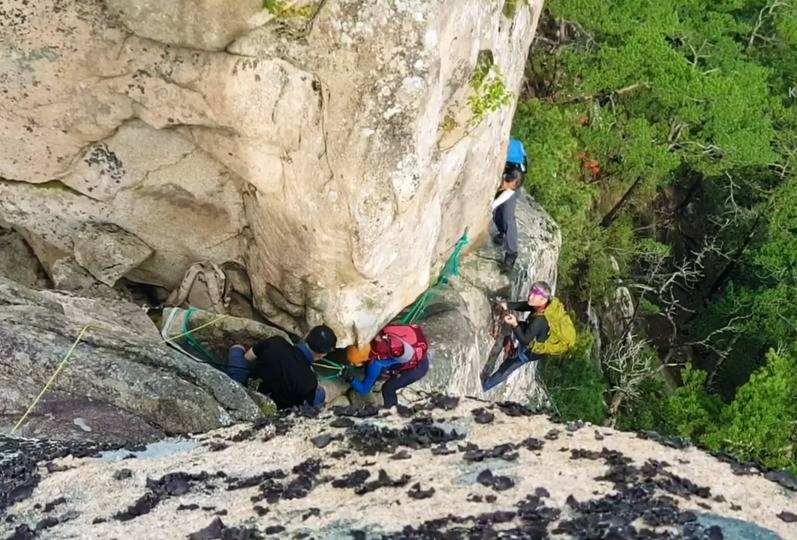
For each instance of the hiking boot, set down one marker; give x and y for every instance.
(509, 262)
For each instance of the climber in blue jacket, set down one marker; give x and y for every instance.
(398, 376)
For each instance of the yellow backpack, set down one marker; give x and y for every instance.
(562, 334)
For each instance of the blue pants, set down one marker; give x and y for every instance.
(522, 356)
(403, 379)
(237, 365)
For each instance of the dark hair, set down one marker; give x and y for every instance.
(513, 175)
(321, 339)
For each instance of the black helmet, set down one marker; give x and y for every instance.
(321, 339)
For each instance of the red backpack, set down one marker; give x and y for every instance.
(390, 344)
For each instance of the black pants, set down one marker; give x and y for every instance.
(403, 379)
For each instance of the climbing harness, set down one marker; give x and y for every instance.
(451, 268)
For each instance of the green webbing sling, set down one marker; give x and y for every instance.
(451, 268)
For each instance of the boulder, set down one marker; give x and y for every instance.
(328, 147)
(119, 373)
(109, 252)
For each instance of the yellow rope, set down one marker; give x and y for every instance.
(200, 327)
(52, 378)
(72, 349)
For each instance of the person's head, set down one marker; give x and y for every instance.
(512, 179)
(321, 340)
(540, 294)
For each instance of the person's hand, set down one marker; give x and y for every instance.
(511, 320)
(347, 376)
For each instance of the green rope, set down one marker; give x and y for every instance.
(192, 341)
(451, 268)
(325, 363)
(329, 364)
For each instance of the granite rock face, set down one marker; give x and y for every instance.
(327, 147)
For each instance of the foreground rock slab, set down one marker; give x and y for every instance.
(121, 382)
(442, 467)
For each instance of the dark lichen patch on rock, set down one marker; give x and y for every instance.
(484, 482)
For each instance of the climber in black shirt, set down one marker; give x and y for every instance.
(285, 370)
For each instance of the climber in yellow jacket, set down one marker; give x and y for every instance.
(548, 332)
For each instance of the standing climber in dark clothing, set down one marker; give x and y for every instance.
(504, 221)
(548, 332)
(285, 370)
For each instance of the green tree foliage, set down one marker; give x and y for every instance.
(657, 89)
(761, 422)
(650, 413)
(640, 106)
(692, 411)
(575, 384)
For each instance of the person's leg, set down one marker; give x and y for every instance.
(508, 366)
(401, 380)
(509, 262)
(237, 366)
(320, 396)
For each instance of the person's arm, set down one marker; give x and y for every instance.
(502, 199)
(372, 372)
(519, 306)
(523, 334)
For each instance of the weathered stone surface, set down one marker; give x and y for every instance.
(197, 24)
(119, 369)
(342, 477)
(109, 252)
(316, 151)
(68, 275)
(18, 262)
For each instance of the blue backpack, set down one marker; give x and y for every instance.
(516, 157)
